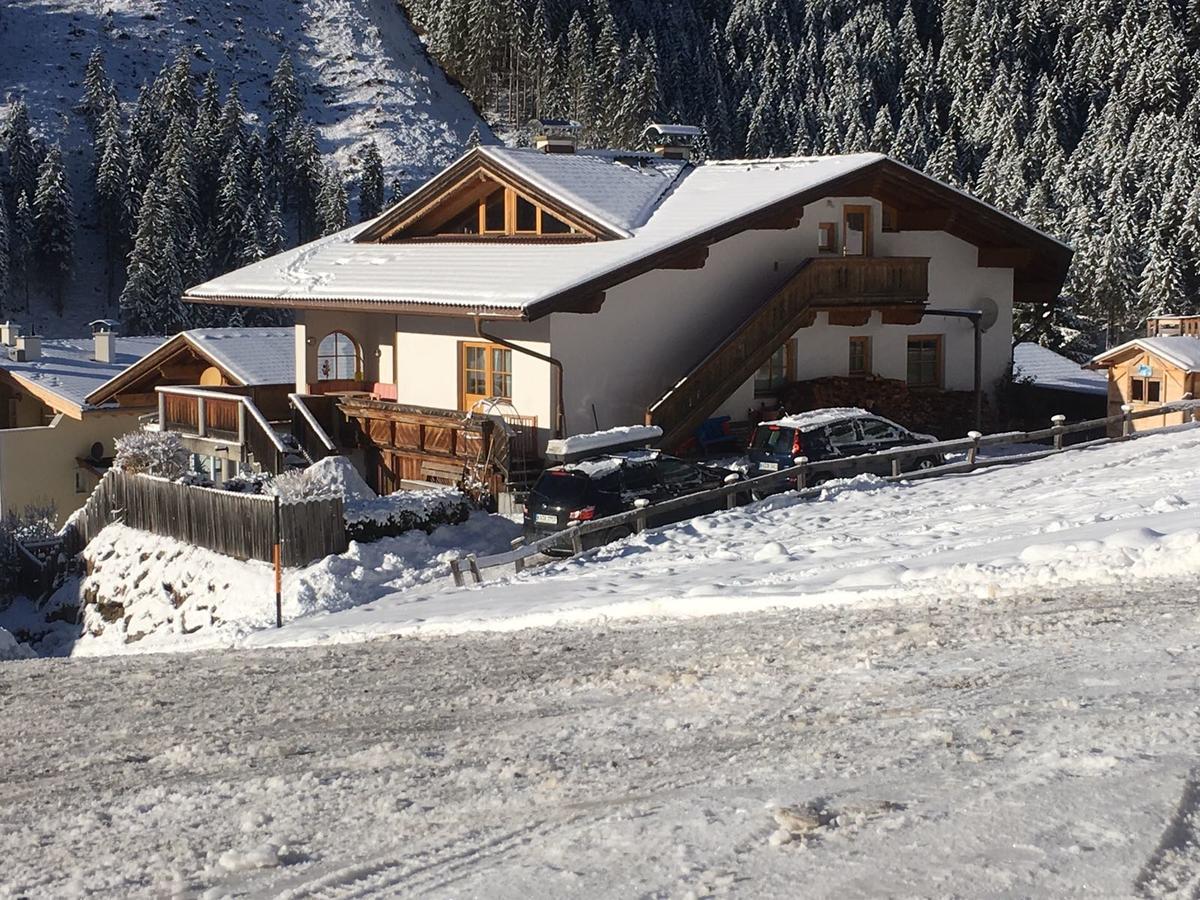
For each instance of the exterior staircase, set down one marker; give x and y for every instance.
(862, 283)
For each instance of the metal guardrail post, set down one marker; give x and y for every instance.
(731, 498)
(801, 463)
(1057, 422)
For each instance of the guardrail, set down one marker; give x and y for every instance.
(735, 492)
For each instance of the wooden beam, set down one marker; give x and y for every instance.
(1036, 291)
(932, 219)
(902, 315)
(1004, 257)
(855, 318)
(588, 304)
(689, 258)
(784, 220)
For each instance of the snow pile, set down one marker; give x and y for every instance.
(333, 476)
(11, 648)
(405, 510)
(149, 593)
(603, 440)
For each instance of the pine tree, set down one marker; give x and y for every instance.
(21, 244)
(112, 196)
(283, 98)
(4, 259)
(473, 139)
(23, 158)
(332, 203)
(98, 91)
(370, 191)
(54, 225)
(305, 177)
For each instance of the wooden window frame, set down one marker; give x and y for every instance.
(510, 229)
(1144, 382)
(489, 371)
(827, 241)
(787, 375)
(889, 219)
(865, 341)
(940, 365)
(358, 357)
(847, 210)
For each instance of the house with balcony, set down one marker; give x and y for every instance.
(548, 291)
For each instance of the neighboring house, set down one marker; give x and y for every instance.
(1151, 371)
(1047, 384)
(248, 372)
(599, 288)
(54, 444)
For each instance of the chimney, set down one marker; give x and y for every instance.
(105, 342)
(555, 135)
(9, 332)
(672, 141)
(29, 348)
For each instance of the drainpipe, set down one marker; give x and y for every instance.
(559, 418)
(975, 316)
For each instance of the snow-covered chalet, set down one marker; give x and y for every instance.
(567, 291)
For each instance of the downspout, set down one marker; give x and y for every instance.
(975, 316)
(559, 418)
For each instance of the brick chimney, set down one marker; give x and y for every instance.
(556, 135)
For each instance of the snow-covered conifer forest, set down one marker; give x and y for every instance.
(1081, 116)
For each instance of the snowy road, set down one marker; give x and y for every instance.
(1032, 746)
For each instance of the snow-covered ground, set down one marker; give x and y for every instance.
(367, 76)
(1039, 745)
(1101, 515)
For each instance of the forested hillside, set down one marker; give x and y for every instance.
(1080, 115)
(149, 145)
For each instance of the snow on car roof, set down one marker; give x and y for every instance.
(815, 418)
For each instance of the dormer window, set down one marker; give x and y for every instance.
(497, 213)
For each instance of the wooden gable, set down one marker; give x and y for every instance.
(177, 362)
(477, 200)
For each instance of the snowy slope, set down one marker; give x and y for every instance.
(1100, 515)
(367, 73)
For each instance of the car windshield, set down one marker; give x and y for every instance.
(560, 488)
(772, 438)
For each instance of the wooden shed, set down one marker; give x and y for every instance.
(1149, 372)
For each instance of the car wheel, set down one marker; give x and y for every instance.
(926, 463)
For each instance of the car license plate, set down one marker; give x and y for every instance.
(769, 466)
(546, 519)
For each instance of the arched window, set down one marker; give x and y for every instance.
(338, 358)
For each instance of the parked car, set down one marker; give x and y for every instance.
(832, 433)
(608, 484)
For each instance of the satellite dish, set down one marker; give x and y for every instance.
(991, 312)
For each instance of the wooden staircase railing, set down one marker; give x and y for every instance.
(817, 283)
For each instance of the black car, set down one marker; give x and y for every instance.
(832, 433)
(605, 485)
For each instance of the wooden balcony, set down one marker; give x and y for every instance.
(208, 418)
(899, 286)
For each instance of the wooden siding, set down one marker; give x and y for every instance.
(1176, 383)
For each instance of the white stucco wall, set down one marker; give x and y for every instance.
(38, 464)
(622, 359)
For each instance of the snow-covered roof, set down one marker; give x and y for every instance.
(1179, 350)
(251, 355)
(1047, 369)
(514, 276)
(618, 189)
(67, 369)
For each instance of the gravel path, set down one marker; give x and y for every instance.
(1041, 746)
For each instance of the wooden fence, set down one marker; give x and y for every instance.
(239, 525)
(737, 491)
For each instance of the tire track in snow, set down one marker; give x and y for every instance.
(1173, 870)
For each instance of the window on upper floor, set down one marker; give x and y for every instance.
(856, 230)
(338, 358)
(775, 372)
(486, 373)
(827, 237)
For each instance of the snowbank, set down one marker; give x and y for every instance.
(1097, 516)
(11, 648)
(148, 593)
(333, 476)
